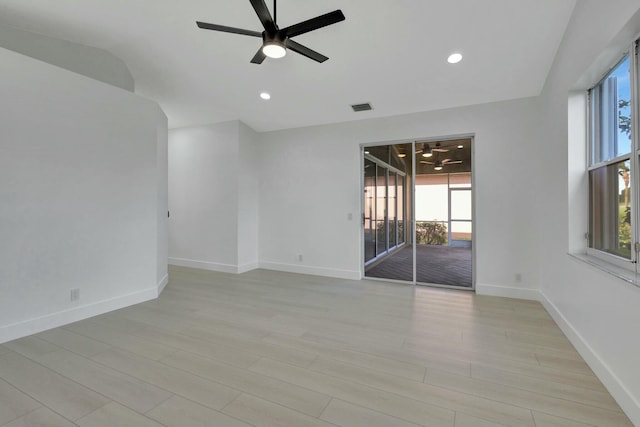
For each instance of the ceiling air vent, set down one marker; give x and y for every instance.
(362, 107)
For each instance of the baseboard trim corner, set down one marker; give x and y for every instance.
(163, 283)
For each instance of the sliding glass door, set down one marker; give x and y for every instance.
(417, 212)
(384, 186)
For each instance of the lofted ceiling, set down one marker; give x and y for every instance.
(389, 53)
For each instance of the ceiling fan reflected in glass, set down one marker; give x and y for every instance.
(276, 41)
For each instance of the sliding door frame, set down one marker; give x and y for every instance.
(411, 225)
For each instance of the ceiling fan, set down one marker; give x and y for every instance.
(428, 151)
(276, 41)
(439, 164)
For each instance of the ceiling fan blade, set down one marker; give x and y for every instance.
(265, 16)
(440, 150)
(313, 23)
(258, 57)
(427, 163)
(215, 27)
(305, 51)
(453, 162)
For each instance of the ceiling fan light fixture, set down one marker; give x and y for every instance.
(274, 49)
(454, 58)
(427, 153)
(438, 166)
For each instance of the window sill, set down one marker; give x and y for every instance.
(614, 270)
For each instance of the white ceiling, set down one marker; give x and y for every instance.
(390, 53)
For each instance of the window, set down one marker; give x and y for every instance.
(612, 165)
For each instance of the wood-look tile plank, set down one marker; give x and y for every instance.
(554, 387)
(546, 420)
(564, 364)
(180, 341)
(455, 400)
(428, 358)
(289, 395)
(71, 341)
(41, 417)
(261, 413)
(14, 403)
(208, 393)
(254, 347)
(392, 404)
(526, 399)
(403, 369)
(346, 414)
(180, 412)
(125, 389)
(121, 339)
(32, 347)
(464, 420)
(62, 395)
(114, 414)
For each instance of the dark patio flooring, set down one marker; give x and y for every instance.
(440, 265)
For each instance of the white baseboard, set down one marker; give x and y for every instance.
(247, 267)
(213, 266)
(316, 271)
(54, 320)
(620, 393)
(163, 283)
(507, 292)
(204, 265)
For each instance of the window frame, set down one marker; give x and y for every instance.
(633, 156)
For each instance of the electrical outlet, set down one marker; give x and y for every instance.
(74, 294)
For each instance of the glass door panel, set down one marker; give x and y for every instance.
(387, 213)
(392, 200)
(381, 210)
(369, 210)
(400, 213)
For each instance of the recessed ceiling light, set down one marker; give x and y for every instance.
(265, 95)
(460, 146)
(454, 58)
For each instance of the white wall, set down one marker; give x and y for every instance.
(213, 197)
(598, 312)
(79, 191)
(248, 176)
(88, 61)
(310, 182)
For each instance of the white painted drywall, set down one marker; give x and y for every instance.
(79, 178)
(597, 311)
(248, 175)
(310, 183)
(203, 196)
(88, 61)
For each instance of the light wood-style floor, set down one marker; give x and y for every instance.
(276, 349)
